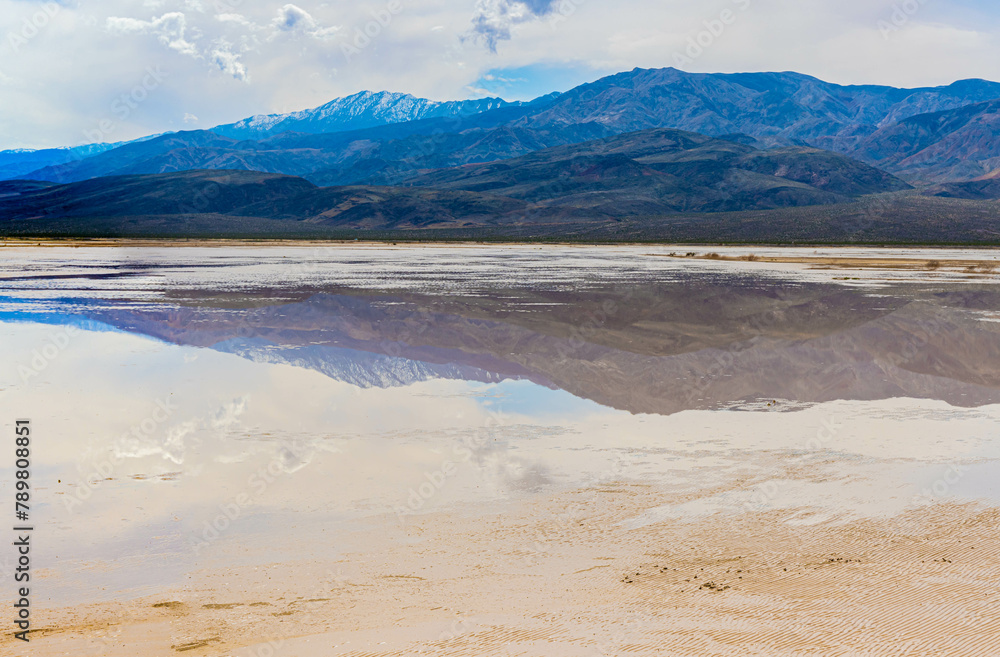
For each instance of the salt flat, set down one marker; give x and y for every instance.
(379, 450)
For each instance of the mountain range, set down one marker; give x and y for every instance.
(639, 173)
(639, 144)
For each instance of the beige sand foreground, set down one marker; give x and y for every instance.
(563, 576)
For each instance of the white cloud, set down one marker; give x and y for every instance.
(325, 33)
(494, 19)
(229, 63)
(233, 18)
(190, 118)
(439, 49)
(169, 28)
(294, 19)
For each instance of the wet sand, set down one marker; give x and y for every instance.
(562, 575)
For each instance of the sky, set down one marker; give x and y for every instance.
(84, 71)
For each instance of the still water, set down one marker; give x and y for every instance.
(190, 402)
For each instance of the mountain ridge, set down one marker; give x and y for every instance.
(886, 127)
(650, 182)
(365, 109)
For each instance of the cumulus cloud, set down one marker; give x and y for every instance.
(447, 49)
(170, 29)
(494, 19)
(294, 19)
(229, 63)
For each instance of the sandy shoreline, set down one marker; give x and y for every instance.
(562, 575)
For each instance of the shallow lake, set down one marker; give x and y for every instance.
(249, 405)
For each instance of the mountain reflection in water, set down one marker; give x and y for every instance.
(699, 342)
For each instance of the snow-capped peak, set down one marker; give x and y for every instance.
(365, 109)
